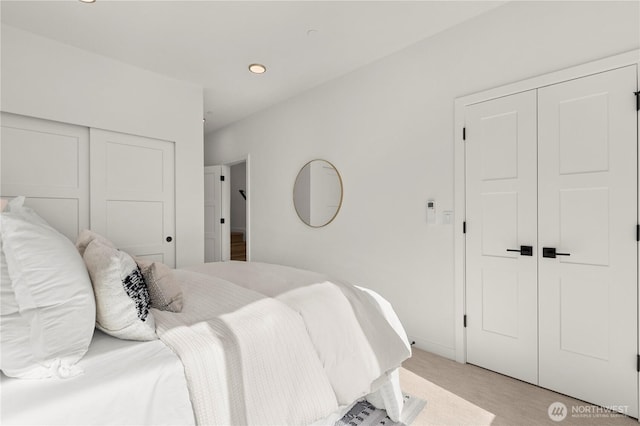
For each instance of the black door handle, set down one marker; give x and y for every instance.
(169, 239)
(551, 252)
(524, 250)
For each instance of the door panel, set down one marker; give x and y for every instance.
(135, 168)
(501, 288)
(145, 217)
(499, 223)
(500, 301)
(57, 190)
(588, 137)
(584, 335)
(588, 209)
(580, 209)
(500, 146)
(132, 193)
(210, 240)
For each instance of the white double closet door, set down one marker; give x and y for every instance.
(119, 185)
(556, 170)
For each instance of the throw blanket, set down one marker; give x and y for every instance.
(265, 344)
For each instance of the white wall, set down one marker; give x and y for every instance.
(389, 131)
(46, 79)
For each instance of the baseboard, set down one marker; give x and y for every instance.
(433, 347)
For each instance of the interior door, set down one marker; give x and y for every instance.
(217, 213)
(588, 214)
(501, 207)
(132, 193)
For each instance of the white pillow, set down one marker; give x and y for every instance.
(122, 298)
(47, 315)
(17, 208)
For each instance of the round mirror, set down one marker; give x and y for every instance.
(317, 193)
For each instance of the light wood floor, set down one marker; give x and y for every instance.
(463, 394)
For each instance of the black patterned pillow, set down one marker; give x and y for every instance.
(122, 297)
(137, 291)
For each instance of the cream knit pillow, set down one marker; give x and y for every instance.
(165, 292)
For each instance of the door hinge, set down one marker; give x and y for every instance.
(464, 321)
(638, 364)
(637, 100)
(638, 232)
(464, 227)
(221, 178)
(464, 133)
(222, 220)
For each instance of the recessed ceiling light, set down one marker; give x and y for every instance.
(88, 1)
(257, 68)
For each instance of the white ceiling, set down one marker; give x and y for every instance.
(211, 43)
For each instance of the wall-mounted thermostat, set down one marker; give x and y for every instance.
(431, 212)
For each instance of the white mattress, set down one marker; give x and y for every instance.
(124, 382)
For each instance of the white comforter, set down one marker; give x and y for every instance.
(267, 344)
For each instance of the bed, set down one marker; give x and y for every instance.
(251, 343)
(124, 382)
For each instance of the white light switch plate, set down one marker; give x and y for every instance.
(447, 217)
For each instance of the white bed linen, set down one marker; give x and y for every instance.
(248, 358)
(357, 338)
(124, 383)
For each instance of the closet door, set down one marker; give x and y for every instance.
(132, 193)
(588, 214)
(501, 283)
(57, 190)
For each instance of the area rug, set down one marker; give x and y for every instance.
(365, 414)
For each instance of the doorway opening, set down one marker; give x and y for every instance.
(238, 207)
